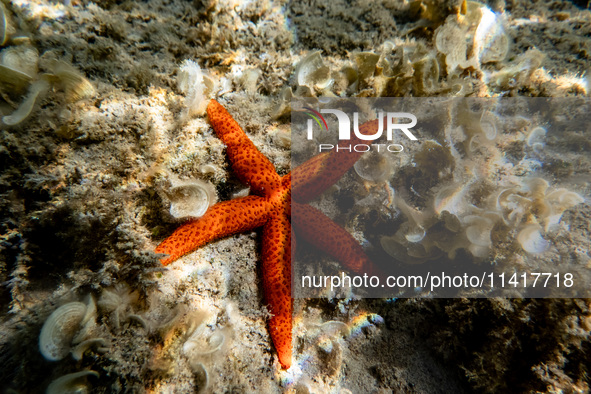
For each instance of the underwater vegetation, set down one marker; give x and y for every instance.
(19, 72)
(478, 191)
(104, 150)
(468, 55)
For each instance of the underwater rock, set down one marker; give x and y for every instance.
(436, 11)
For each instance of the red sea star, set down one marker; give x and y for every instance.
(270, 207)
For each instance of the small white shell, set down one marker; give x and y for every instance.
(282, 137)
(516, 206)
(488, 125)
(312, 72)
(22, 59)
(415, 234)
(241, 193)
(59, 329)
(564, 199)
(71, 383)
(208, 169)
(191, 198)
(536, 137)
(478, 251)
(500, 198)
(560, 200)
(18, 67)
(451, 199)
(333, 328)
(88, 322)
(374, 166)
(413, 229)
(490, 40)
(531, 240)
(479, 230)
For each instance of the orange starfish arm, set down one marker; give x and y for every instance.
(250, 165)
(276, 267)
(271, 208)
(314, 176)
(224, 218)
(319, 230)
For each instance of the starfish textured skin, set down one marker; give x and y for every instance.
(270, 207)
